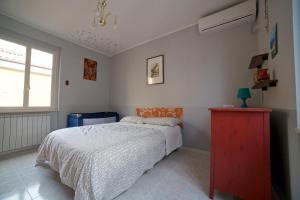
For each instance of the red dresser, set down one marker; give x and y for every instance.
(240, 152)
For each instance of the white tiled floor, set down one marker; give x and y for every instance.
(182, 175)
(19, 179)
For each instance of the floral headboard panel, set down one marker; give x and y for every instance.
(160, 112)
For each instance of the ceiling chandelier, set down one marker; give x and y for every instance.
(101, 16)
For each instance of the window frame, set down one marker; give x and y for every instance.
(35, 44)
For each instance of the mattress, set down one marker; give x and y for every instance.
(102, 161)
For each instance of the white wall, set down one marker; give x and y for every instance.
(285, 143)
(81, 95)
(283, 96)
(201, 71)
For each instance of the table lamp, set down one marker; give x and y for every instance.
(244, 94)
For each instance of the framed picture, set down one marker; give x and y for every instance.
(155, 70)
(274, 41)
(90, 69)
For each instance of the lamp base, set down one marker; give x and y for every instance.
(244, 104)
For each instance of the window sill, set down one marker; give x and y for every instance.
(24, 110)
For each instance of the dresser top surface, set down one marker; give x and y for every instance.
(221, 109)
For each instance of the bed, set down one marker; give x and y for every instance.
(102, 161)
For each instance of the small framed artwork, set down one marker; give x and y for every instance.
(274, 41)
(155, 70)
(90, 69)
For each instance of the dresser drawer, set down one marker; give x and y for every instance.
(240, 163)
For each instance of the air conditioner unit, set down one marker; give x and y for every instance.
(240, 14)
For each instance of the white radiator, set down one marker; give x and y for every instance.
(19, 131)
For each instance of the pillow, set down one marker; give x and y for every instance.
(132, 119)
(162, 121)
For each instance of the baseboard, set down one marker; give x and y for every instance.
(196, 150)
(11, 152)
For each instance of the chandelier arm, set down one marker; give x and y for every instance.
(105, 17)
(100, 14)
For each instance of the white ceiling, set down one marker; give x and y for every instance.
(139, 21)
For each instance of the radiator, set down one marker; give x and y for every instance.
(19, 131)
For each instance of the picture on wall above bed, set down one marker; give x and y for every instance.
(90, 69)
(155, 70)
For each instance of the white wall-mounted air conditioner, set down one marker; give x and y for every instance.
(240, 14)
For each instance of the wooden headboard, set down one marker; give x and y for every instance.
(160, 112)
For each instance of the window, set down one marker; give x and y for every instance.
(28, 79)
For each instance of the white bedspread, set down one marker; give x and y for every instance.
(102, 161)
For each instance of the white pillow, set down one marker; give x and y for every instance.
(162, 121)
(132, 119)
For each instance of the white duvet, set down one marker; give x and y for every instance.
(102, 161)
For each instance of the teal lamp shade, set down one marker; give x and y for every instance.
(244, 94)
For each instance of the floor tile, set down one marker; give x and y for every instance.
(13, 192)
(43, 184)
(182, 175)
